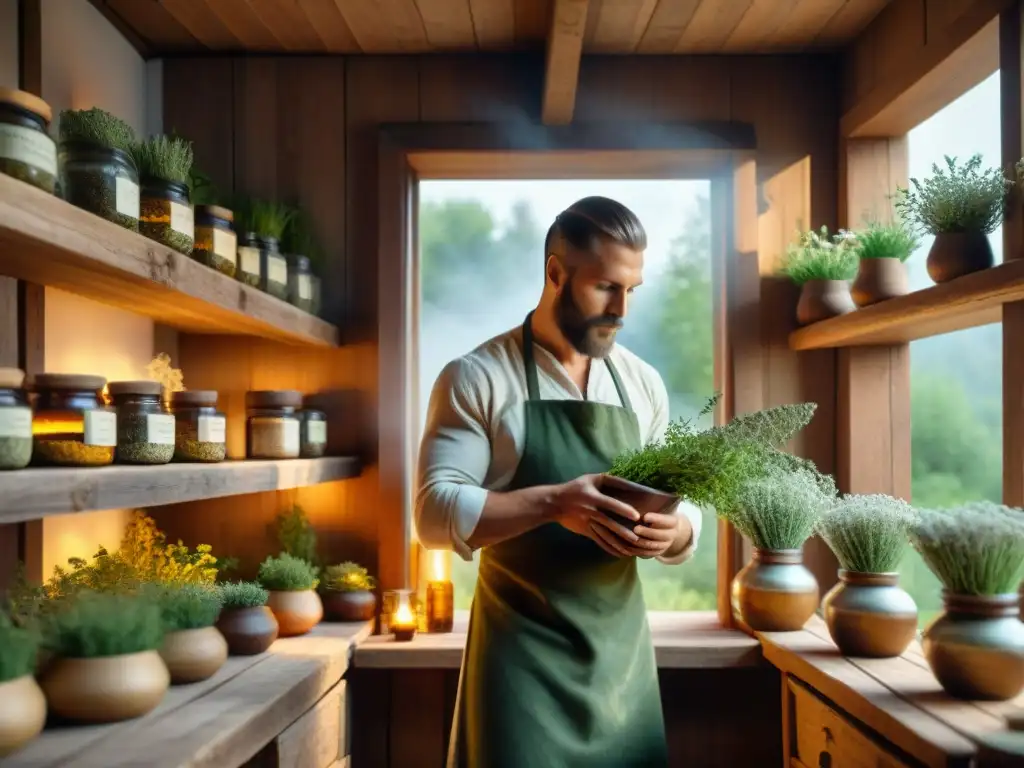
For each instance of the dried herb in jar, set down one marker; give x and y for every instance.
(15, 421)
(200, 430)
(166, 214)
(145, 430)
(272, 424)
(70, 426)
(27, 152)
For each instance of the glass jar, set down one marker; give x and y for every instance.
(101, 180)
(15, 421)
(26, 150)
(272, 427)
(71, 427)
(313, 437)
(166, 215)
(216, 245)
(145, 430)
(248, 270)
(273, 267)
(314, 282)
(300, 283)
(200, 430)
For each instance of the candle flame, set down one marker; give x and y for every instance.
(403, 615)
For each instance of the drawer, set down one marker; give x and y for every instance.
(821, 737)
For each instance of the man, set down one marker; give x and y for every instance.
(559, 667)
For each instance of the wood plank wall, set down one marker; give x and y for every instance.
(307, 126)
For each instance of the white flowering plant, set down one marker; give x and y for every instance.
(868, 533)
(816, 255)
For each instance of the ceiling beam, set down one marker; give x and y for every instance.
(562, 67)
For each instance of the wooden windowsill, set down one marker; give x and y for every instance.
(681, 641)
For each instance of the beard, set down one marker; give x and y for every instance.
(590, 336)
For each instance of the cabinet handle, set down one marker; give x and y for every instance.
(828, 734)
(824, 760)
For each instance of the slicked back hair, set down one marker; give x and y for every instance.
(587, 220)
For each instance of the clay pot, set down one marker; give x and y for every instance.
(955, 254)
(975, 648)
(640, 497)
(822, 299)
(868, 615)
(296, 611)
(878, 280)
(248, 631)
(105, 689)
(358, 605)
(775, 592)
(192, 655)
(22, 713)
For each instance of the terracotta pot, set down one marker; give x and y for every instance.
(248, 631)
(775, 592)
(22, 713)
(955, 254)
(640, 497)
(868, 615)
(359, 605)
(878, 280)
(296, 611)
(106, 689)
(192, 655)
(975, 648)
(822, 299)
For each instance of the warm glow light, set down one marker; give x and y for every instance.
(437, 565)
(403, 615)
(40, 426)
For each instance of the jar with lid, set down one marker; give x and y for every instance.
(145, 429)
(71, 427)
(272, 427)
(314, 282)
(200, 430)
(274, 268)
(300, 283)
(26, 150)
(216, 245)
(15, 421)
(248, 270)
(313, 438)
(166, 215)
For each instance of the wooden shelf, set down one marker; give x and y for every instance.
(969, 301)
(29, 494)
(47, 241)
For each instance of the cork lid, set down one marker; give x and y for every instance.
(11, 378)
(273, 398)
(135, 388)
(194, 397)
(27, 101)
(71, 382)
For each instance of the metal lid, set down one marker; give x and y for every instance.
(194, 397)
(68, 382)
(273, 398)
(116, 388)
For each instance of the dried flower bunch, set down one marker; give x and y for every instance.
(171, 379)
(819, 256)
(887, 241)
(160, 157)
(956, 198)
(867, 533)
(96, 126)
(973, 549)
(287, 573)
(242, 594)
(347, 577)
(780, 510)
(187, 606)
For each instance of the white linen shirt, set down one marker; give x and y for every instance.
(474, 435)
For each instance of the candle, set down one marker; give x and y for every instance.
(440, 596)
(403, 623)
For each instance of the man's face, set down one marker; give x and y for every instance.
(594, 294)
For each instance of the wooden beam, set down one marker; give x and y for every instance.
(562, 67)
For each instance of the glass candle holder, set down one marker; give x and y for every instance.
(440, 606)
(399, 608)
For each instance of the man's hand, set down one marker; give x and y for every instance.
(579, 504)
(657, 534)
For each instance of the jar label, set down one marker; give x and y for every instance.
(249, 260)
(291, 437)
(277, 270)
(100, 428)
(29, 146)
(16, 422)
(183, 219)
(305, 288)
(225, 245)
(212, 429)
(316, 432)
(127, 197)
(159, 429)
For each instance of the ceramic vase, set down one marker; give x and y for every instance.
(297, 611)
(822, 299)
(879, 280)
(22, 713)
(868, 615)
(192, 655)
(353, 605)
(248, 631)
(955, 254)
(105, 689)
(774, 592)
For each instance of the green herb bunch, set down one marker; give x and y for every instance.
(818, 256)
(188, 606)
(265, 218)
(295, 535)
(973, 549)
(96, 126)
(168, 159)
(779, 510)
(18, 648)
(300, 239)
(956, 198)
(347, 577)
(887, 241)
(287, 573)
(868, 533)
(93, 624)
(242, 594)
(201, 189)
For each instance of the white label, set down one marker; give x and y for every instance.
(100, 428)
(249, 260)
(159, 429)
(127, 197)
(277, 269)
(225, 245)
(183, 219)
(305, 288)
(212, 429)
(316, 432)
(28, 146)
(16, 422)
(291, 437)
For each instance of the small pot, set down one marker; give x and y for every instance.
(955, 254)
(22, 713)
(775, 592)
(822, 299)
(248, 631)
(976, 646)
(192, 655)
(878, 280)
(106, 689)
(868, 615)
(296, 611)
(357, 605)
(640, 497)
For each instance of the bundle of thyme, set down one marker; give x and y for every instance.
(95, 126)
(779, 510)
(867, 533)
(956, 198)
(887, 241)
(168, 159)
(818, 256)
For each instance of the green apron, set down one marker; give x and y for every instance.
(559, 667)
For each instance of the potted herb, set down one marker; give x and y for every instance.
(166, 210)
(822, 266)
(22, 704)
(347, 593)
(867, 613)
(305, 260)
(975, 648)
(106, 666)
(264, 224)
(246, 622)
(882, 273)
(961, 206)
(97, 170)
(193, 648)
(292, 582)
